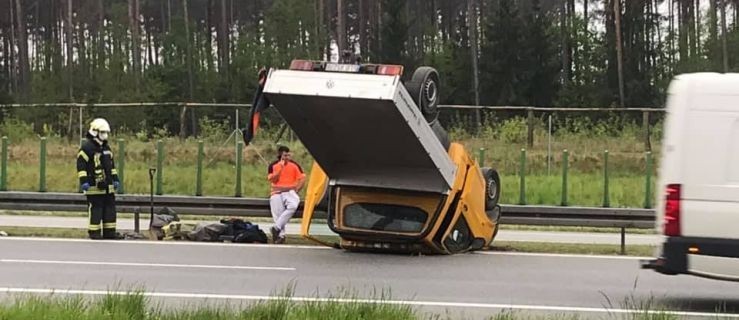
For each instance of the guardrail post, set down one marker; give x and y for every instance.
(160, 161)
(239, 150)
(565, 161)
(4, 166)
(121, 165)
(606, 198)
(648, 185)
(42, 166)
(623, 241)
(522, 193)
(199, 177)
(136, 213)
(530, 133)
(481, 158)
(645, 128)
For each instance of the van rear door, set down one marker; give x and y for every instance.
(710, 164)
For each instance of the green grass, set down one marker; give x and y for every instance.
(572, 248)
(627, 166)
(137, 305)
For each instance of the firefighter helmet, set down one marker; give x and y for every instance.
(100, 128)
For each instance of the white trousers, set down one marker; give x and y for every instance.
(283, 206)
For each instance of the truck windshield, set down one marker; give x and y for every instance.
(384, 217)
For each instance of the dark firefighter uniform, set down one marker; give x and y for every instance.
(97, 173)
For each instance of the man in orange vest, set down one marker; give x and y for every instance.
(286, 178)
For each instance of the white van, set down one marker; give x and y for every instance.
(698, 186)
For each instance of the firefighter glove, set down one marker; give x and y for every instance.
(85, 186)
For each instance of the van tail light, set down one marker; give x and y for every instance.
(672, 211)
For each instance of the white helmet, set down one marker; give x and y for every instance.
(100, 126)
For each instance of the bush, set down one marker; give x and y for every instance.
(514, 130)
(17, 130)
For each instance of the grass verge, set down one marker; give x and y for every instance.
(627, 166)
(136, 304)
(508, 246)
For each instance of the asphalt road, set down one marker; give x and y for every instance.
(477, 284)
(319, 229)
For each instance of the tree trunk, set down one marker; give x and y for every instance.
(714, 37)
(223, 48)
(169, 15)
(340, 28)
(472, 27)
(698, 26)
(25, 68)
(724, 50)
(70, 43)
(683, 30)
(319, 34)
(363, 43)
(572, 35)
(186, 17)
(11, 47)
(566, 61)
(619, 50)
(379, 28)
(101, 38)
(672, 33)
(133, 25)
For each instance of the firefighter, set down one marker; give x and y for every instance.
(98, 180)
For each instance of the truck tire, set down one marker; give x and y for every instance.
(492, 188)
(495, 216)
(424, 89)
(441, 134)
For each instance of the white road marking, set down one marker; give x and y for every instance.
(395, 302)
(168, 243)
(560, 255)
(289, 246)
(134, 264)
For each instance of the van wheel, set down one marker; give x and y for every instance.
(424, 89)
(492, 188)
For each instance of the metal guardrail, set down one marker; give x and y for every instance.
(259, 207)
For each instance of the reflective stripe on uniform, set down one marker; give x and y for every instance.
(94, 191)
(83, 155)
(91, 227)
(81, 174)
(109, 225)
(114, 171)
(108, 152)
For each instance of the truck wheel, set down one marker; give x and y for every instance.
(441, 134)
(494, 216)
(492, 188)
(424, 89)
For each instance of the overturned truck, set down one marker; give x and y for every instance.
(385, 171)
